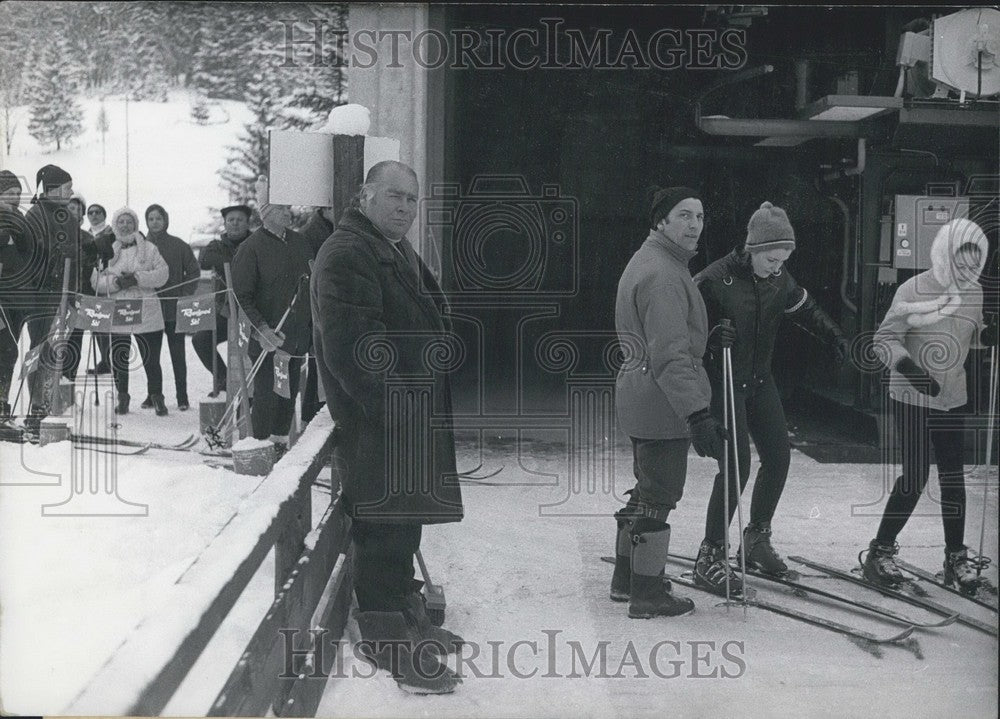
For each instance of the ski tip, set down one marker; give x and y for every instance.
(902, 635)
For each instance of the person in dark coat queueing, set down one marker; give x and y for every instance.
(662, 397)
(316, 230)
(270, 269)
(135, 271)
(214, 257)
(372, 296)
(182, 282)
(752, 288)
(55, 234)
(92, 256)
(103, 237)
(16, 248)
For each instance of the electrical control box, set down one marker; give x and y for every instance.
(916, 221)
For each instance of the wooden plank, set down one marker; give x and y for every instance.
(262, 661)
(307, 691)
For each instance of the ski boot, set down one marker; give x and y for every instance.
(440, 640)
(123, 402)
(6, 412)
(621, 579)
(393, 644)
(760, 554)
(711, 569)
(879, 567)
(649, 596)
(182, 403)
(960, 571)
(159, 404)
(147, 403)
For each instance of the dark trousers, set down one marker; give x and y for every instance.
(76, 352)
(271, 413)
(39, 327)
(14, 319)
(178, 360)
(204, 347)
(660, 468)
(918, 429)
(149, 344)
(310, 393)
(383, 564)
(759, 415)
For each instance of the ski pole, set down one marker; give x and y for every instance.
(725, 465)
(727, 358)
(230, 409)
(991, 410)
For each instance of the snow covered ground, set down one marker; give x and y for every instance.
(524, 584)
(171, 160)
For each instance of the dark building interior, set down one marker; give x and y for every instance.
(591, 139)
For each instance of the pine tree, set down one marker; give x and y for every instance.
(103, 125)
(56, 116)
(317, 87)
(199, 109)
(248, 158)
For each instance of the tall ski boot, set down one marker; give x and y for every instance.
(159, 404)
(960, 571)
(621, 579)
(711, 569)
(879, 566)
(649, 596)
(760, 554)
(123, 402)
(392, 644)
(440, 640)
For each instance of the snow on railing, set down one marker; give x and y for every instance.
(144, 672)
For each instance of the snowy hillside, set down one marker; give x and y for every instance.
(171, 160)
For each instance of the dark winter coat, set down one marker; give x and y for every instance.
(16, 249)
(316, 229)
(661, 323)
(756, 307)
(380, 334)
(268, 272)
(183, 269)
(95, 253)
(56, 235)
(214, 257)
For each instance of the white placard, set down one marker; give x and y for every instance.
(301, 168)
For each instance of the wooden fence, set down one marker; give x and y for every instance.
(312, 591)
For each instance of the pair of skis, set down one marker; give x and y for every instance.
(822, 622)
(901, 594)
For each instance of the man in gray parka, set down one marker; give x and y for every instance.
(662, 396)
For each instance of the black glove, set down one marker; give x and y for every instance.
(127, 280)
(707, 434)
(918, 377)
(988, 337)
(841, 349)
(721, 336)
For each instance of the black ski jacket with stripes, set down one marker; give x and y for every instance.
(756, 306)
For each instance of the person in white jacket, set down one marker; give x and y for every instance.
(935, 317)
(134, 272)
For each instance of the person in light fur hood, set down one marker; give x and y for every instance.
(935, 317)
(135, 271)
